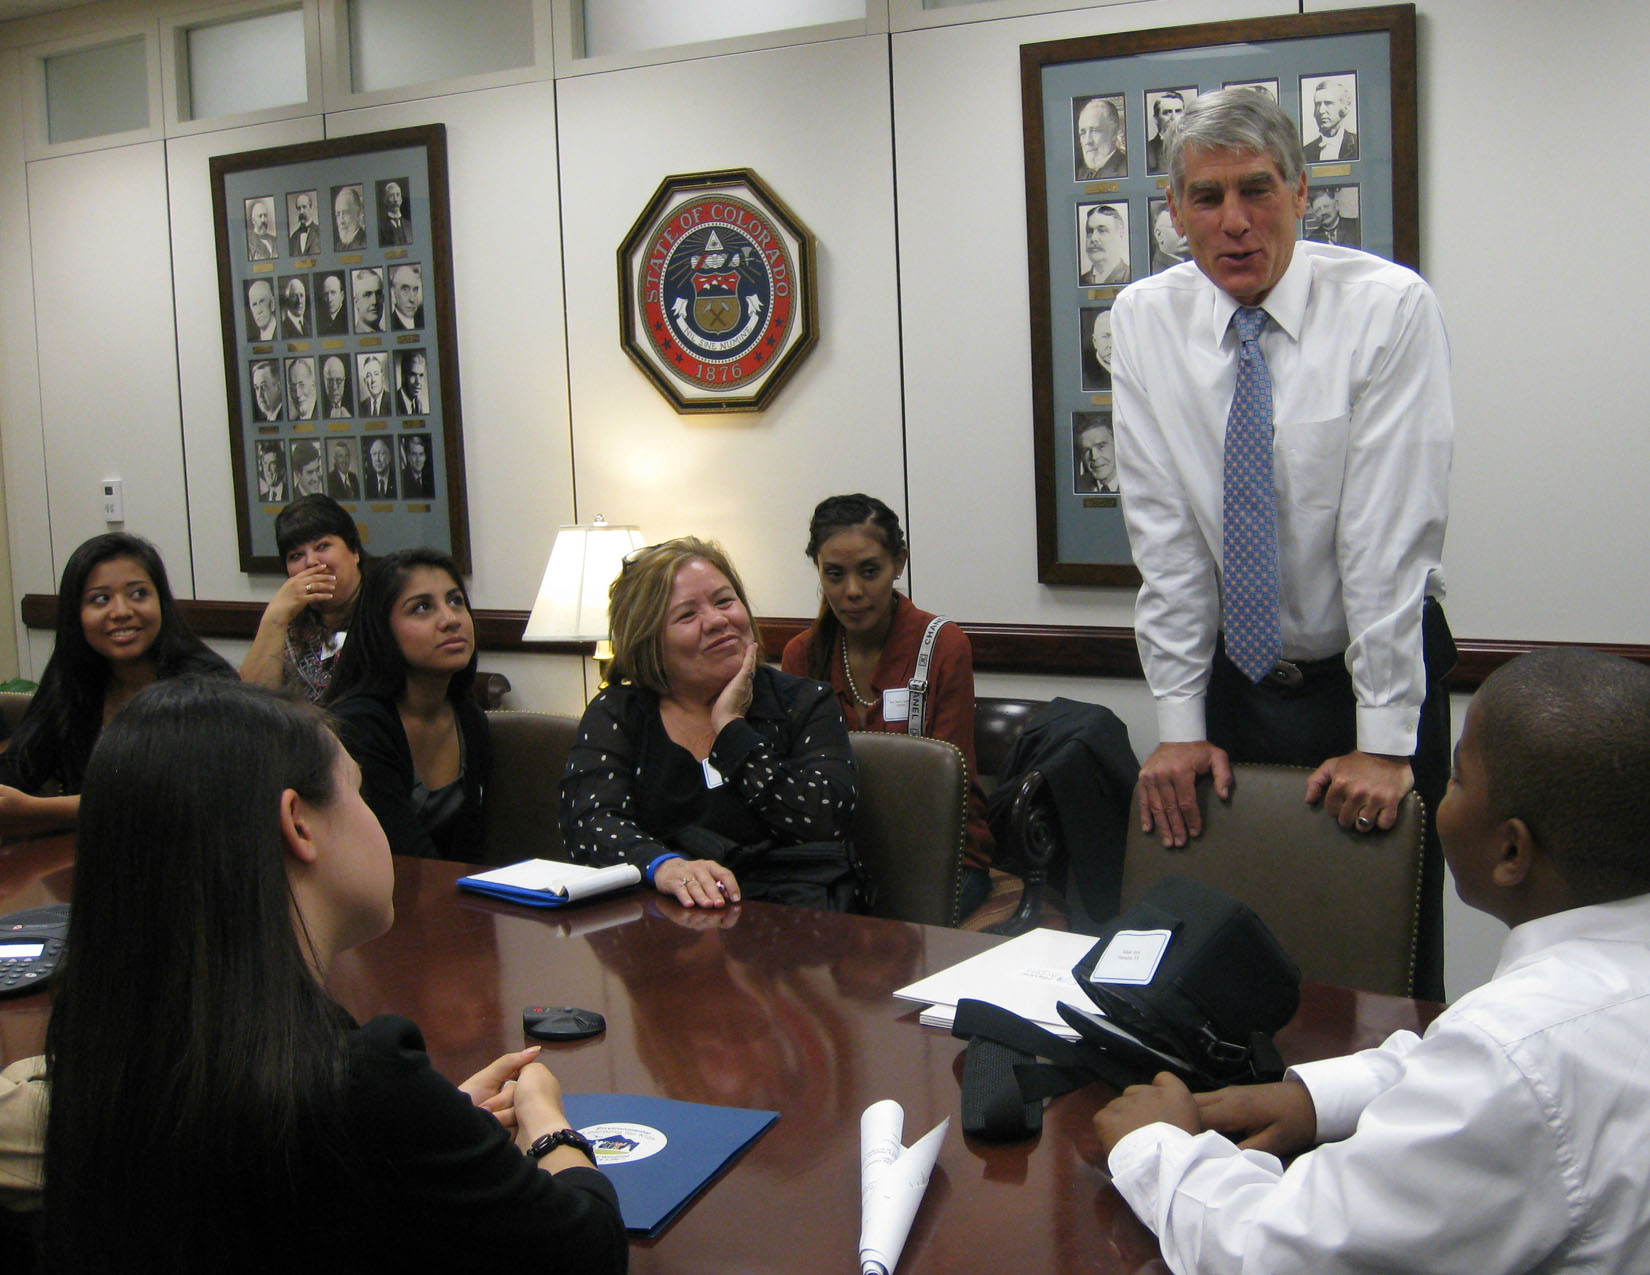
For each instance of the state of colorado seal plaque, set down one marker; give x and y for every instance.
(716, 292)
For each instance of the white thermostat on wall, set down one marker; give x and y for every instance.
(114, 501)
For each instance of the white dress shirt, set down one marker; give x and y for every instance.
(1510, 1139)
(1362, 436)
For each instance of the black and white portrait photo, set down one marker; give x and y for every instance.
(379, 475)
(1094, 340)
(1168, 244)
(367, 298)
(1164, 107)
(273, 488)
(1332, 216)
(343, 469)
(394, 217)
(295, 316)
(372, 385)
(260, 229)
(417, 468)
(1098, 126)
(412, 397)
(1329, 117)
(307, 479)
(331, 303)
(302, 215)
(337, 402)
(268, 400)
(1103, 244)
(1269, 87)
(348, 214)
(1094, 453)
(300, 389)
(262, 321)
(406, 297)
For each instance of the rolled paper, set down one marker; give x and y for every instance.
(892, 1179)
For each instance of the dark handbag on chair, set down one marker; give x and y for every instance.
(1190, 981)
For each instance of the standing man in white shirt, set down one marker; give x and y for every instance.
(1510, 1136)
(1295, 515)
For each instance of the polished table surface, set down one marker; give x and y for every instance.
(763, 1006)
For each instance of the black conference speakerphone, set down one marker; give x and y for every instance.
(31, 942)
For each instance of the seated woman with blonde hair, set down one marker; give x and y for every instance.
(866, 642)
(720, 777)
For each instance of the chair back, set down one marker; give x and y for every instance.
(13, 704)
(1344, 904)
(529, 756)
(909, 824)
(997, 724)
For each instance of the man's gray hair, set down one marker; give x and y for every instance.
(1343, 93)
(1236, 120)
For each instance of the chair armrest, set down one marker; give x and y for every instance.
(1033, 842)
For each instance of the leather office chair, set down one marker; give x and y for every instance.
(13, 704)
(1019, 897)
(1344, 904)
(909, 824)
(529, 755)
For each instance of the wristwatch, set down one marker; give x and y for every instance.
(546, 1143)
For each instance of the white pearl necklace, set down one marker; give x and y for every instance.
(852, 689)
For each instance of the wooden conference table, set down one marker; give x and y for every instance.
(778, 1008)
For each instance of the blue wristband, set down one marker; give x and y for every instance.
(654, 866)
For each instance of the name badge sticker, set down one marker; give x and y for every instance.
(713, 777)
(1131, 958)
(896, 705)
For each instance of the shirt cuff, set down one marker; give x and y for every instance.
(1341, 1088)
(1181, 721)
(654, 866)
(1390, 729)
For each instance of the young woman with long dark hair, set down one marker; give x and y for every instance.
(211, 1107)
(118, 630)
(401, 693)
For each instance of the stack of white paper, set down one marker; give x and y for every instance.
(1028, 975)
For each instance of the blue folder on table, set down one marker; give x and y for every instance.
(546, 883)
(659, 1153)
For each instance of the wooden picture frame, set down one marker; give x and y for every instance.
(339, 338)
(1091, 211)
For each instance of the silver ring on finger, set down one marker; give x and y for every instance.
(1364, 823)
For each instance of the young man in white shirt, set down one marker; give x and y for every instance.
(1510, 1138)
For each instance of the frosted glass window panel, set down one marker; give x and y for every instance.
(93, 92)
(399, 42)
(247, 65)
(633, 26)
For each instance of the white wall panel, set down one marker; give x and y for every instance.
(813, 123)
(964, 303)
(507, 254)
(108, 348)
(24, 444)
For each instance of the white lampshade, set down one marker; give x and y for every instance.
(572, 601)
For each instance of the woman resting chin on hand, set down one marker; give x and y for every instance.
(718, 776)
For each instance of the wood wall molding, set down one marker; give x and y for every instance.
(1066, 649)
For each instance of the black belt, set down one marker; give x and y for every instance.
(1291, 675)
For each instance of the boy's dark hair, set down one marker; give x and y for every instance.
(1565, 739)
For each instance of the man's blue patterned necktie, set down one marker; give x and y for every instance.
(1249, 514)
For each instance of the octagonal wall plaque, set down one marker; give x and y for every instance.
(716, 292)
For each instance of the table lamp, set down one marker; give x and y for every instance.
(572, 601)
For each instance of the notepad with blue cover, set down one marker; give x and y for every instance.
(659, 1153)
(545, 883)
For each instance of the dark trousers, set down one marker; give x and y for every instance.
(1308, 724)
